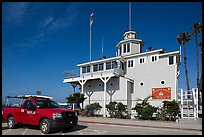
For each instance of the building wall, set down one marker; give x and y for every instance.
(114, 91)
(151, 74)
(135, 47)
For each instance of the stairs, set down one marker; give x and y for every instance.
(188, 102)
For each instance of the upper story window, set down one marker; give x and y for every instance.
(154, 58)
(171, 60)
(121, 65)
(108, 65)
(111, 65)
(126, 48)
(95, 68)
(86, 69)
(120, 50)
(130, 63)
(142, 60)
(98, 67)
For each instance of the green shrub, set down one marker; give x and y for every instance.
(117, 110)
(148, 111)
(111, 108)
(172, 109)
(91, 109)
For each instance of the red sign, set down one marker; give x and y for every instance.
(161, 93)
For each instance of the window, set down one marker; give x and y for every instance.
(86, 69)
(121, 65)
(142, 60)
(120, 50)
(83, 69)
(111, 84)
(99, 85)
(111, 65)
(154, 58)
(29, 104)
(162, 82)
(130, 64)
(95, 67)
(171, 60)
(128, 47)
(108, 65)
(101, 67)
(124, 48)
(114, 64)
(141, 83)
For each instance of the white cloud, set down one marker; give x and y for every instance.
(14, 12)
(47, 21)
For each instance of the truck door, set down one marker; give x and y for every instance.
(27, 113)
(24, 115)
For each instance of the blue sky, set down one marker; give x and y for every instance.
(41, 40)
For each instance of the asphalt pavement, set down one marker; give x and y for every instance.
(183, 124)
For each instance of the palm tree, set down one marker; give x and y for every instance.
(197, 28)
(200, 82)
(76, 98)
(183, 38)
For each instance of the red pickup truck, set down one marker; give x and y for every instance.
(41, 111)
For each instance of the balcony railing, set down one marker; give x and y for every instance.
(72, 74)
(76, 73)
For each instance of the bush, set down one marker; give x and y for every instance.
(91, 109)
(171, 109)
(148, 111)
(117, 110)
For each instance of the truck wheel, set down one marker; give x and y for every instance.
(11, 122)
(45, 126)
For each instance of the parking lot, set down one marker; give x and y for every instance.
(100, 129)
(33, 130)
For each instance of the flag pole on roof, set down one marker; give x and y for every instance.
(129, 15)
(91, 21)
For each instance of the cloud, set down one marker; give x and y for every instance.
(55, 17)
(55, 23)
(47, 21)
(14, 12)
(33, 41)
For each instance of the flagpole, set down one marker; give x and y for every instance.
(129, 15)
(90, 43)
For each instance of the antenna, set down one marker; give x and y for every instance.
(102, 48)
(129, 15)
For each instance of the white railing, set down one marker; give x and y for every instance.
(188, 101)
(76, 73)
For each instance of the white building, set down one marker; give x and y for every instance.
(130, 75)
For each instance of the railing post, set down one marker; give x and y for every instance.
(181, 103)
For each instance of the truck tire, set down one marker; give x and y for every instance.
(11, 123)
(45, 126)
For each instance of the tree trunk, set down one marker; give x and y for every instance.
(186, 70)
(197, 70)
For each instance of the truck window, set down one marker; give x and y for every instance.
(47, 104)
(28, 104)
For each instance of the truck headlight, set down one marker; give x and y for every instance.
(56, 115)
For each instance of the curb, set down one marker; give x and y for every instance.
(138, 125)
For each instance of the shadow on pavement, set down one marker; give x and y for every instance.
(76, 128)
